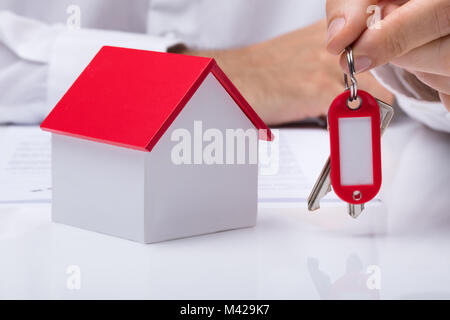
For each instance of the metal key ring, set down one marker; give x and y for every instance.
(351, 68)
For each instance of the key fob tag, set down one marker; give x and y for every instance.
(355, 148)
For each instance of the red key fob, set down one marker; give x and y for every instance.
(355, 148)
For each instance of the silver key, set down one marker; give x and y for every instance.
(386, 114)
(321, 187)
(354, 210)
(323, 184)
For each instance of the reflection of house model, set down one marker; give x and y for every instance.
(122, 162)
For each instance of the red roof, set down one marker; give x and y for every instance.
(129, 97)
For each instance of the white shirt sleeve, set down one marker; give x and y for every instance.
(39, 62)
(418, 100)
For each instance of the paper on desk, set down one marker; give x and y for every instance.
(302, 154)
(24, 164)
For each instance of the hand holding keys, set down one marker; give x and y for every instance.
(355, 177)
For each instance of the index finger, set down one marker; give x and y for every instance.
(347, 20)
(411, 25)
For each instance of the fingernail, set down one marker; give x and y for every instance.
(362, 64)
(335, 26)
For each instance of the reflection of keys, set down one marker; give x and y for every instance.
(323, 183)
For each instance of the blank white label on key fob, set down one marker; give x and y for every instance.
(355, 149)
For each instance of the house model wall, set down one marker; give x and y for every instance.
(143, 195)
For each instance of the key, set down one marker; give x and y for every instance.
(321, 187)
(354, 210)
(323, 183)
(386, 114)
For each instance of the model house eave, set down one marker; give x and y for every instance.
(57, 121)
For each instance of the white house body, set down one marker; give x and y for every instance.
(148, 196)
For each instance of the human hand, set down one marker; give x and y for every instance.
(413, 35)
(289, 78)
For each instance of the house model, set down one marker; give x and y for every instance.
(153, 146)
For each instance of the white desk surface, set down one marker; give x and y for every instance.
(290, 254)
